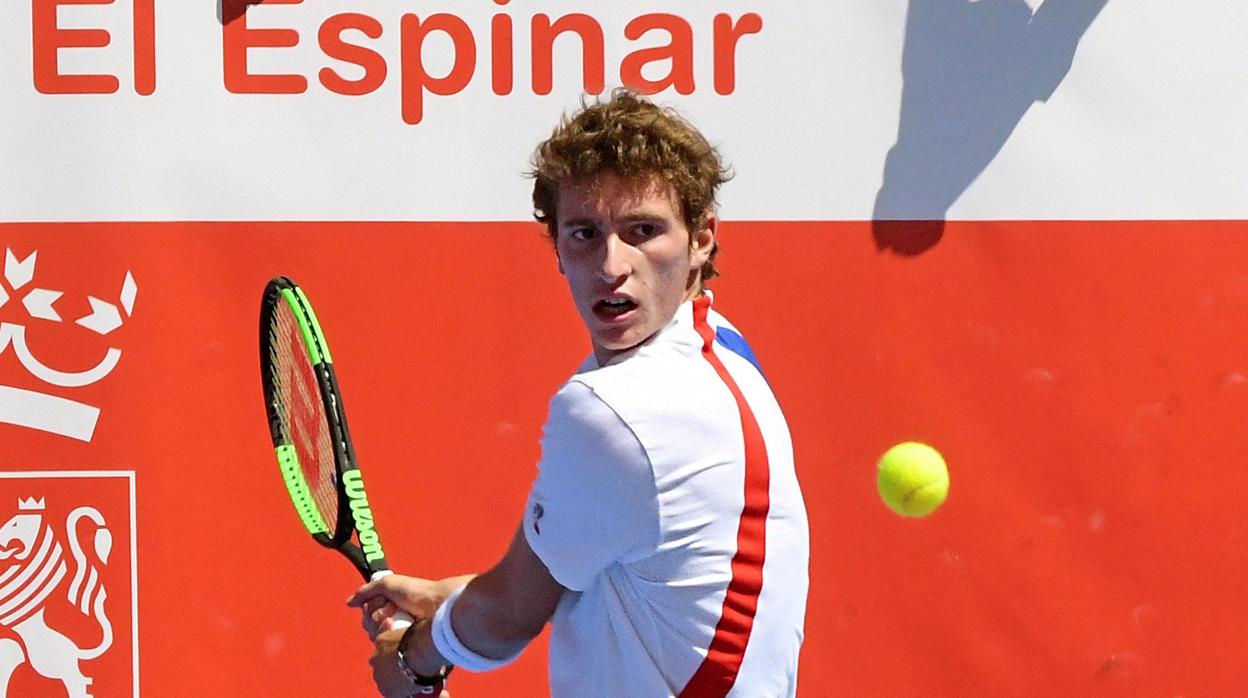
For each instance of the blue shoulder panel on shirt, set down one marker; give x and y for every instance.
(736, 344)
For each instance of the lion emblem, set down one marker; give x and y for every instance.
(32, 569)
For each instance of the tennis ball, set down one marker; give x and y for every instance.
(913, 479)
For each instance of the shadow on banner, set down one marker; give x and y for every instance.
(971, 70)
(230, 10)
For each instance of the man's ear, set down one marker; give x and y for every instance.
(702, 241)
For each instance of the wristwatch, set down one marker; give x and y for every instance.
(425, 685)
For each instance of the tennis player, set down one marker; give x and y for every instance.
(665, 538)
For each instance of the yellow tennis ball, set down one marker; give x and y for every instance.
(913, 479)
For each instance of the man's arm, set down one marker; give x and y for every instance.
(496, 615)
(503, 609)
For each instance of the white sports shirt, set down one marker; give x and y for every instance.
(666, 502)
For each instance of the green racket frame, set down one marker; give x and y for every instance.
(354, 513)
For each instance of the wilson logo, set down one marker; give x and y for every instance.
(369, 542)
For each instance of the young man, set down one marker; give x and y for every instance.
(665, 538)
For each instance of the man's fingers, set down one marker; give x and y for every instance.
(377, 615)
(388, 587)
(391, 587)
(370, 626)
(383, 617)
(377, 603)
(415, 596)
(366, 592)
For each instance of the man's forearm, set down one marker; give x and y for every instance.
(449, 584)
(495, 615)
(479, 619)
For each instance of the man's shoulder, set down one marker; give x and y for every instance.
(654, 395)
(653, 372)
(667, 375)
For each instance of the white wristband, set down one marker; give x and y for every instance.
(454, 651)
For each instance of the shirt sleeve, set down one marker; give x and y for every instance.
(594, 501)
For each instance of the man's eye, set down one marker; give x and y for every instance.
(646, 230)
(583, 233)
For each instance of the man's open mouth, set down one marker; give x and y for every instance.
(614, 307)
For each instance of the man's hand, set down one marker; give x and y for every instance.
(495, 617)
(381, 599)
(391, 682)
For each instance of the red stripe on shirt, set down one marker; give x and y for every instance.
(718, 671)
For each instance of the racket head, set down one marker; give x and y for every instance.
(309, 429)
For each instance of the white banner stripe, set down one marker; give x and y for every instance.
(1082, 109)
(55, 415)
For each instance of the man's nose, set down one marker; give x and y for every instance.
(615, 259)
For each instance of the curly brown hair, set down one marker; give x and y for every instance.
(631, 137)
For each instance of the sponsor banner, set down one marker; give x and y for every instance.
(1089, 397)
(429, 110)
(1071, 338)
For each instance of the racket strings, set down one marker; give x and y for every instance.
(301, 412)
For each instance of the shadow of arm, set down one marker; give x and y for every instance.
(1054, 35)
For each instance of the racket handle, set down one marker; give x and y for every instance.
(400, 619)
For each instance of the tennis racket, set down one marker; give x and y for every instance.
(309, 430)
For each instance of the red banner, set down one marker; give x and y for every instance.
(1087, 383)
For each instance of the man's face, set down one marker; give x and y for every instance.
(628, 256)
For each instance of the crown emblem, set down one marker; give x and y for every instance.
(46, 412)
(30, 504)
